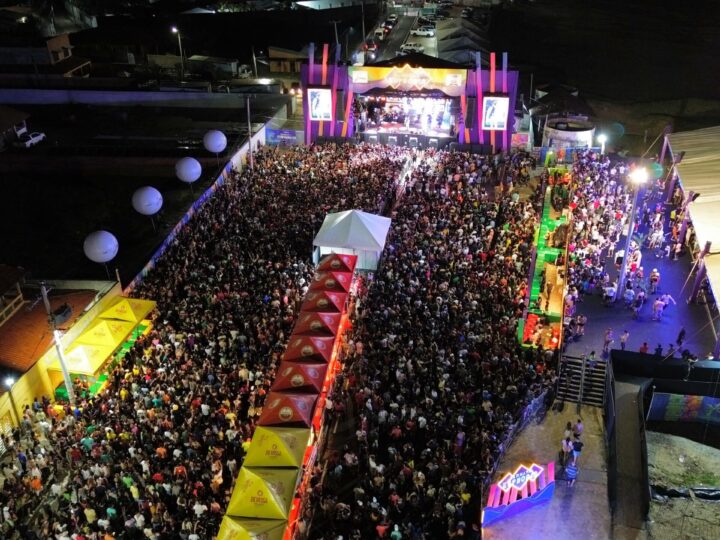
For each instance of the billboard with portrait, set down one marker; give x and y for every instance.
(495, 113)
(320, 103)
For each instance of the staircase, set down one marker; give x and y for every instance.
(582, 384)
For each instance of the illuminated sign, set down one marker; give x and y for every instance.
(520, 477)
(495, 113)
(320, 103)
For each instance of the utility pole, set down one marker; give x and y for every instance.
(335, 23)
(58, 345)
(250, 141)
(254, 58)
(362, 8)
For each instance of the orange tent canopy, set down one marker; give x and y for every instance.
(324, 301)
(300, 377)
(288, 409)
(317, 324)
(309, 349)
(331, 281)
(336, 262)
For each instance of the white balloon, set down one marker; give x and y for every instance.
(215, 141)
(147, 200)
(188, 170)
(100, 246)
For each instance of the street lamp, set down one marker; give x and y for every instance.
(637, 178)
(602, 139)
(176, 30)
(9, 382)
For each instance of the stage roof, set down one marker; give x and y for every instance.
(418, 60)
(699, 171)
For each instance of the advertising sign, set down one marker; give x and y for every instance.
(495, 113)
(408, 79)
(320, 100)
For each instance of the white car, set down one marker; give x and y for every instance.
(423, 31)
(412, 48)
(26, 140)
(392, 18)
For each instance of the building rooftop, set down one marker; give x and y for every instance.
(26, 336)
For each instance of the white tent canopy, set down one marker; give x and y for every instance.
(353, 232)
(699, 171)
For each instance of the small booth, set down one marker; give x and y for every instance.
(353, 232)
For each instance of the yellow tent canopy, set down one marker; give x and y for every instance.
(251, 529)
(263, 493)
(83, 359)
(106, 332)
(277, 447)
(128, 309)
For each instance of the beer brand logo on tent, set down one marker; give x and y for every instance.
(121, 308)
(315, 325)
(317, 277)
(313, 373)
(259, 498)
(273, 452)
(307, 350)
(297, 380)
(335, 264)
(331, 283)
(321, 345)
(322, 303)
(297, 342)
(302, 405)
(274, 403)
(287, 371)
(286, 413)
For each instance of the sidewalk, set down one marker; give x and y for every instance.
(580, 511)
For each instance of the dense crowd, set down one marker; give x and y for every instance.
(441, 316)
(154, 456)
(434, 375)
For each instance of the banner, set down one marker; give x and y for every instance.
(684, 408)
(251, 529)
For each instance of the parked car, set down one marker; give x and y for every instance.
(26, 140)
(412, 48)
(392, 18)
(424, 21)
(423, 31)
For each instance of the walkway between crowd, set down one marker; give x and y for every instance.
(580, 511)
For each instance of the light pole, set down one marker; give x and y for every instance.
(58, 346)
(176, 30)
(9, 382)
(637, 179)
(602, 139)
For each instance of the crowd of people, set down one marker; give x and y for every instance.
(154, 455)
(434, 376)
(441, 316)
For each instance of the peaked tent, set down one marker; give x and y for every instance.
(300, 377)
(331, 281)
(83, 359)
(287, 409)
(128, 309)
(336, 262)
(317, 324)
(251, 529)
(277, 447)
(309, 349)
(263, 493)
(106, 332)
(353, 232)
(324, 301)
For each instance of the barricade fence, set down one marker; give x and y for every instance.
(524, 419)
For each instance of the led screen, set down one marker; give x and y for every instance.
(495, 113)
(320, 100)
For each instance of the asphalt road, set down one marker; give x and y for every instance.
(397, 36)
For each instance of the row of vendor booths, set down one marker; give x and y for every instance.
(106, 340)
(266, 499)
(543, 322)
